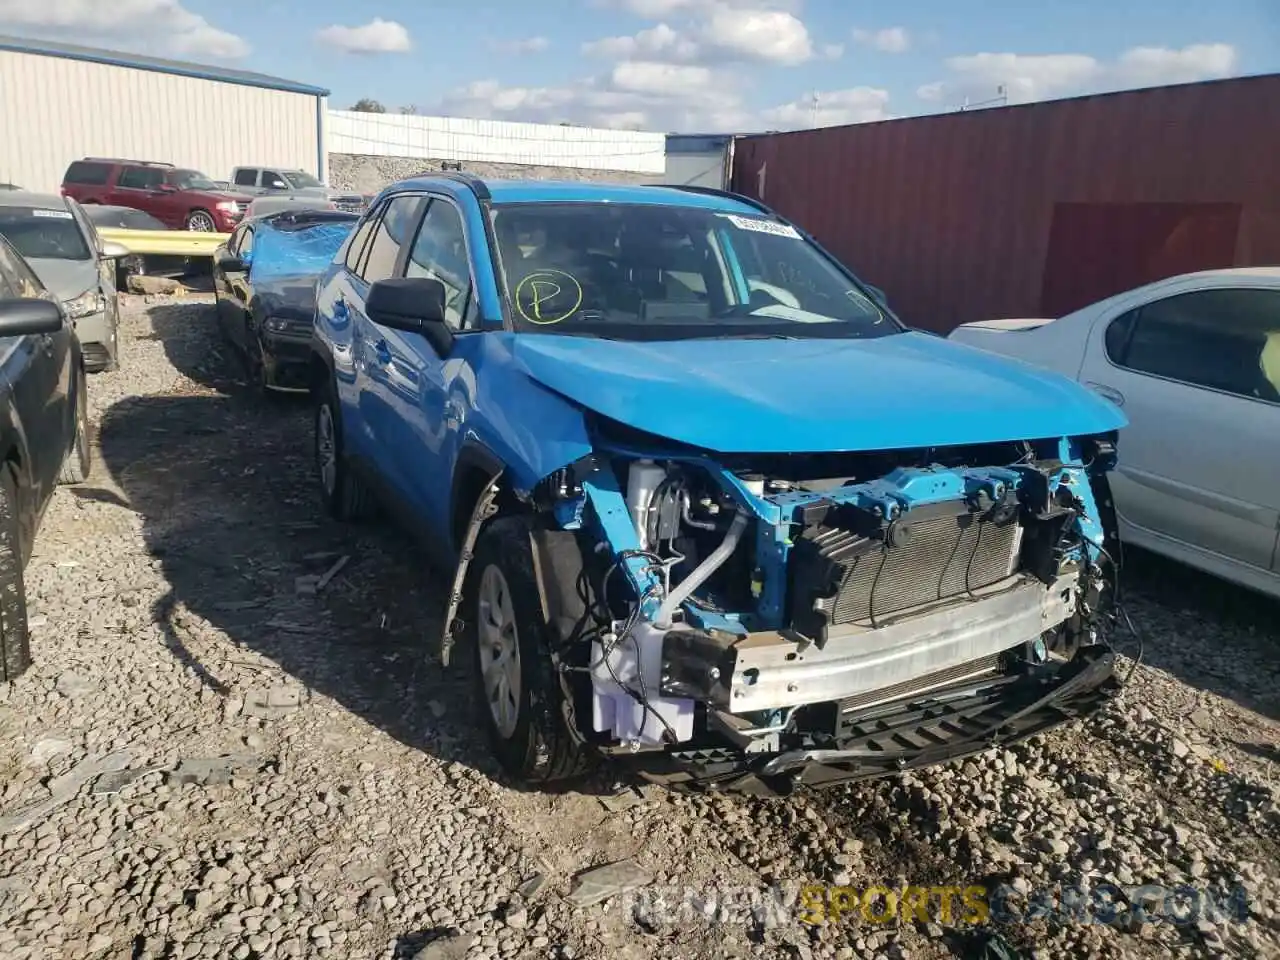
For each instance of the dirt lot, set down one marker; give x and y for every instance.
(301, 778)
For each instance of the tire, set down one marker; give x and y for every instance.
(15, 647)
(525, 726)
(79, 460)
(201, 221)
(345, 496)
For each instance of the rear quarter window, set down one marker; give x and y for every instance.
(88, 173)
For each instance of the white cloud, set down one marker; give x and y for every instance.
(659, 79)
(524, 45)
(164, 26)
(831, 108)
(660, 42)
(376, 36)
(888, 40)
(772, 35)
(832, 51)
(1156, 65)
(1027, 78)
(713, 30)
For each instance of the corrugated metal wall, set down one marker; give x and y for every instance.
(1035, 210)
(55, 110)
(494, 141)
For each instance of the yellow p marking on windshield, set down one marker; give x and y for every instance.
(541, 288)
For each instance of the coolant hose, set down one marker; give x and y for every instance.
(704, 570)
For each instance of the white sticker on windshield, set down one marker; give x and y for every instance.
(763, 226)
(60, 214)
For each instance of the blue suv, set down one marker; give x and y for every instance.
(705, 502)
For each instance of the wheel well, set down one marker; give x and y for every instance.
(472, 476)
(317, 373)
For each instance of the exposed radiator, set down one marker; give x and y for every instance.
(838, 577)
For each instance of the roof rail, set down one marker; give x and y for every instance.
(717, 192)
(137, 163)
(476, 185)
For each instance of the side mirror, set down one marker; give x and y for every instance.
(878, 294)
(29, 315)
(165, 187)
(230, 264)
(111, 250)
(412, 304)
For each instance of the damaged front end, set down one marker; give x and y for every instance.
(755, 623)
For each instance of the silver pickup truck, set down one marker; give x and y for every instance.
(293, 184)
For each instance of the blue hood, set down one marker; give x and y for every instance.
(814, 396)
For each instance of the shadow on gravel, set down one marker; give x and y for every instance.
(1207, 632)
(224, 485)
(216, 366)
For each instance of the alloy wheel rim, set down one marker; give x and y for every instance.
(499, 650)
(326, 449)
(200, 223)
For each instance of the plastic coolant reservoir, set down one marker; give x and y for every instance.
(615, 710)
(754, 483)
(642, 481)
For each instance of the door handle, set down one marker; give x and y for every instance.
(1106, 392)
(382, 351)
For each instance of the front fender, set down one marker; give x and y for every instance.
(531, 430)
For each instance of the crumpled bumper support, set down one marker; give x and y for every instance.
(915, 732)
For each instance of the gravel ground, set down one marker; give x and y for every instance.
(299, 777)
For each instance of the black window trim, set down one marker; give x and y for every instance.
(472, 297)
(368, 241)
(372, 219)
(1137, 312)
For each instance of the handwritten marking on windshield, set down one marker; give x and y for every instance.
(536, 295)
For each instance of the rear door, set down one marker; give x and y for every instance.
(139, 187)
(1200, 460)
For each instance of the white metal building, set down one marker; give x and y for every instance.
(60, 102)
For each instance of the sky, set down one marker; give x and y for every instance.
(686, 65)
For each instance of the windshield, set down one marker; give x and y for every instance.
(123, 218)
(190, 180)
(43, 234)
(639, 271)
(299, 180)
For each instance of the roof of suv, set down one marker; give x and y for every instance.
(571, 191)
(38, 201)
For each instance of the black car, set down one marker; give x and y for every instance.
(264, 278)
(44, 433)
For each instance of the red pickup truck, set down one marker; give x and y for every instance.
(181, 199)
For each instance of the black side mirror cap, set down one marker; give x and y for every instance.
(414, 305)
(29, 315)
(231, 265)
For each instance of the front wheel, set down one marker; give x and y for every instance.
(344, 494)
(201, 221)
(516, 683)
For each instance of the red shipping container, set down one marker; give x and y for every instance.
(1039, 209)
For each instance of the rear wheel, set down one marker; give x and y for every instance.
(345, 495)
(516, 683)
(15, 648)
(75, 468)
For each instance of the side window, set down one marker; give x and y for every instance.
(1117, 337)
(140, 178)
(88, 173)
(246, 177)
(360, 239)
(1220, 339)
(245, 247)
(23, 281)
(8, 289)
(389, 236)
(440, 252)
(273, 180)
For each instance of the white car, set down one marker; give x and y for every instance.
(1194, 362)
